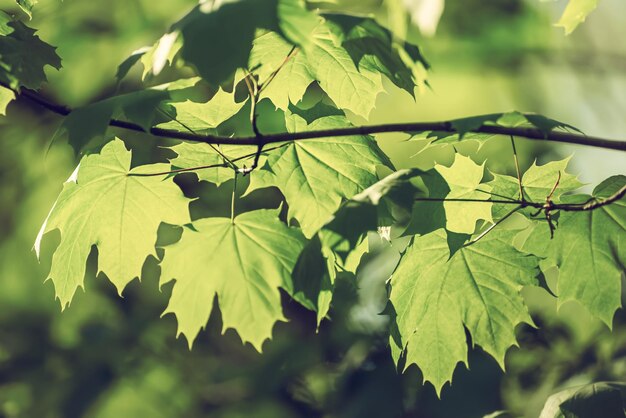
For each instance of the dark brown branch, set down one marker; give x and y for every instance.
(528, 133)
(593, 203)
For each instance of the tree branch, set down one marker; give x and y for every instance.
(591, 204)
(445, 126)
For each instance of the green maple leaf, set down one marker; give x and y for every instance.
(589, 249)
(203, 155)
(313, 279)
(129, 62)
(217, 61)
(575, 13)
(538, 182)
(347, 55)
(464, 178)
(243, 262)
(290, 83)
(348, 85)
(202, 116)
(296, 23)
(435, 296)
(103, 205)
(23, 55)
(372, 48)
(315, 175)
(429, 216)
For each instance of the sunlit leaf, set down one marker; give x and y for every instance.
(104, 205)
(243, 262)
(436, 295)
(590, 250)
(464, 178)
(315, 175)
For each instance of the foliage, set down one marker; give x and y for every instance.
(602, 398)
(465, 262)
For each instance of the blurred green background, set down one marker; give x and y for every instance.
(111, 357)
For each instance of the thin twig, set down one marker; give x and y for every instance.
(232, 200)
(292, 53)
(446, 126)
(492, 226)
(203, 167)
(496, 195)
(454, 199)
(253, 88)
(214, 147)
(517, 170)
(595, 203)
(548, 206)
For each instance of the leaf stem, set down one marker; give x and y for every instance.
(492, 226)
(270, 78)
(214, 147)
(517, 169)
(232, 199)
(204, 167)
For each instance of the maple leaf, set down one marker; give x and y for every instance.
(435, 295)
(464, 178)
(315, 175)
(105, 205)
(590, 250)
(538, 182)
(269, 54)
(243, 262)
(23, 55)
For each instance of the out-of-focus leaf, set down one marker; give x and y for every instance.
(362, 213)
(575, 13)
(313, 279)
(27, 6)
(425, 14)
(602, 399)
